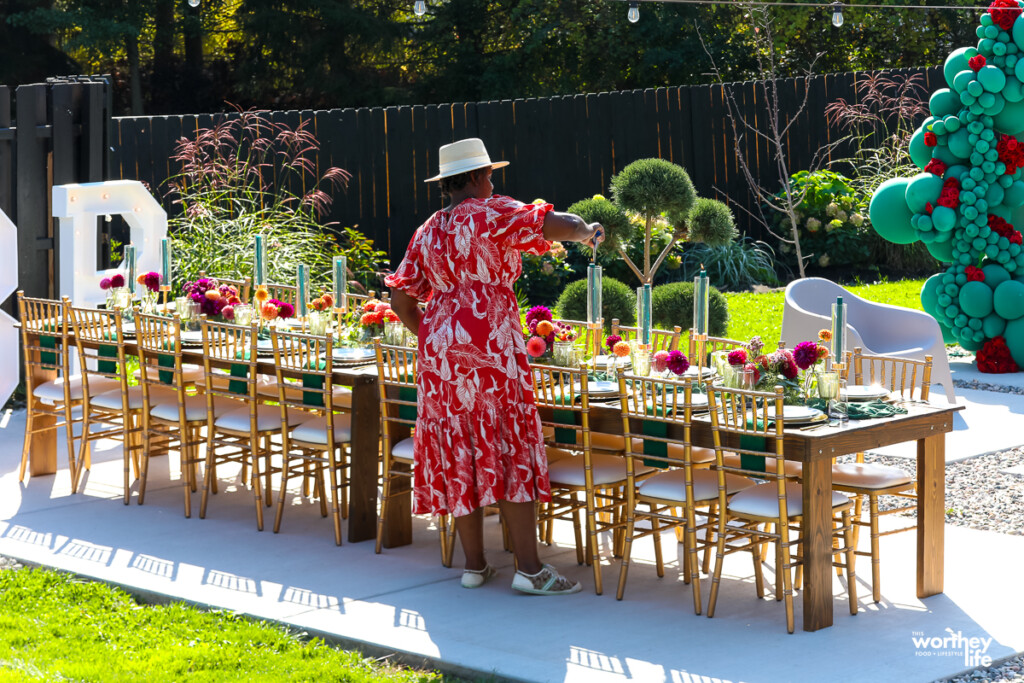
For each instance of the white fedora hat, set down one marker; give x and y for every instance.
(462, 156)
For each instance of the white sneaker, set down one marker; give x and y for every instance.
(474, 578)
(545, 582)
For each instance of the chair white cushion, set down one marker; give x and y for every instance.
(195, 408)
(791, 467)
(697, 455)
(111, 400)
(268, 418)
(403, 450)
(607, 469)
(671, 485)
(342, 395)
(54, 389)
(314, 430)
(763, 500)
(867, 475)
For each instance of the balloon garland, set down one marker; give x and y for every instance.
(969, 197)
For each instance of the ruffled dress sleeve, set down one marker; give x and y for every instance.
(518, 226)
(411, 277)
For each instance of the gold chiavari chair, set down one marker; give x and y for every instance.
(661, 340)
(118, 412)
(587, 338)
(172, 419)
(396, 380)
(316, 440)
(711, 345)
(754, 420)
(244, 434)
(46, 341)
(669, 498)
(910, 379)
(575, 468)
(289, 294)
(243, 286)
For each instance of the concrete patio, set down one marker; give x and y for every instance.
(404, 601)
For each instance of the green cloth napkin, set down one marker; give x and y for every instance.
(165, 360)
(241, 371)
(107, 351)
(46, 341)
(862, 410)
(314, 398)
(656, 448)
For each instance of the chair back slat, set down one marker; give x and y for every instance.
(44, 333)
(243, 286)
(908, 377)
(565, 392)
(649, 406)
(712, 344)
(310, 358)
(397, 370)
(99, 338)
(236, 347)
(661, 340)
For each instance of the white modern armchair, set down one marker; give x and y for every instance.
(879, 329)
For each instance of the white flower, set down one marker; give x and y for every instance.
(856, 219)
(832, 209)
(813, 224)
(823, 260)
(841, 216)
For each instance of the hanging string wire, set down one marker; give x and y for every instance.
(825, 5)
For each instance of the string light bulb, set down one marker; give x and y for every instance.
(837, 14)
(634, 12)
(193, 3)
(419, 8)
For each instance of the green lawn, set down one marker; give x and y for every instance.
(56, 627)
(751, 313)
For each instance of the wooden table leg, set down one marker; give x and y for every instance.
(931, 514)
(362, 505)
(398, 528)
(817, 543)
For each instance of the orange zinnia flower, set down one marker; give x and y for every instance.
(328, 300)
(262, 294)
(825, 335)
(621, 349)
(544, 328)
(268, 311)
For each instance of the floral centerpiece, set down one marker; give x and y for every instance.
(150, 283)
(212, 296)
(271, 309)
(112, 286)
(548, 340)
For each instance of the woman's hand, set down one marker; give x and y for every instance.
(596, 236)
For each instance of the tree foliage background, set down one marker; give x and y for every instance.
(168, 57)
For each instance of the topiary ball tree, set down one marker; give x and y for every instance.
(672, 304)
(651, 187)
(617, 301)
(613, 219)
(711, 222)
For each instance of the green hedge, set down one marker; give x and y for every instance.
(672, 304)
(617, 301)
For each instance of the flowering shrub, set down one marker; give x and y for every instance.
(544, 276)
(832, 219)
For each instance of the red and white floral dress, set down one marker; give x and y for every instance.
(478, 435)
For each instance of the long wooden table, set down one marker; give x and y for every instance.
(925, 424)
(365, 447)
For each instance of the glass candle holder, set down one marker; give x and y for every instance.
(243, 314)
(318, 322)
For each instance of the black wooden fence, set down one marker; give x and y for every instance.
(51, 133)
(561, 149)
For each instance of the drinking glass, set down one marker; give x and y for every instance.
(191, 315)
(642, 362)
(828, 385)
(394, 332)
(561, 352)
(243, 314)
(744, 378)
(180, 302)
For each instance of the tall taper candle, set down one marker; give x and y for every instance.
(838, 331)
(643, 314)
(340, 268)
(700, 302)
(594, 293)
(259, 263)
(129, 263)
(302, 290)
(165, 264)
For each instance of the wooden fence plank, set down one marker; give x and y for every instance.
(31, 195)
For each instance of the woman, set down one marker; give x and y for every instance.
(478, 434)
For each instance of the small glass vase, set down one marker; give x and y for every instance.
(147, 301)
(318, 322)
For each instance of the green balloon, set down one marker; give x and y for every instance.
(921, 189)
(993, 325)
(920, 153)
(995, 275)
(992, 78)
(1014, 336)
(959, 143)
(995, 194)
(976, 299)
(946, 156)
(947, 334)
(962, 81)
(1018, 35)
(994, 104)
(954, 170)
(943, 218)
(970, 343)
(1008, 299)
(1011, 119)
(942, 251)
(943, 103)
(890, 215)
(1014, 195)
(1012, 91)
(930, 294)
(955, 63)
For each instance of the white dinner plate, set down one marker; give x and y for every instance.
(191, 336)
(600, 362)
(599, 387)
(797, 414)
(698, 401)
(863, 392)
(705, 373)
(352, 353)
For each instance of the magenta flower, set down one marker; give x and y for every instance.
(152, 281)
(105, 283)
(117, 281)
(678, 363)
(611, 340)
(805, 354)
(660, 361)
(737, 357)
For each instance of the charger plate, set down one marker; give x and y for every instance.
(797, 414)
(864, 392)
